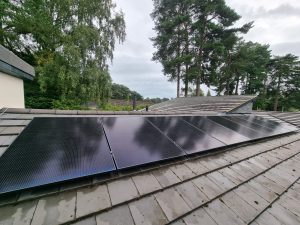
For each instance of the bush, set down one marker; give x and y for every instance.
(67, 104)
(39, 102)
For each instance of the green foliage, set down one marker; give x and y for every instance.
(284, 85)
(120, 91)
(245, 68)
(114, 107)
(69, 42)
(67, 104)
(208, 93)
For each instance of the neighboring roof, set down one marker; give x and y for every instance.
(212, 103)
(13, 65)
(254, 183)
(289, 117)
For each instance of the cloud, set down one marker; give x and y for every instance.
(284, 10)
(285, 48)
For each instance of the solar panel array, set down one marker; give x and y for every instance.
(52, 150)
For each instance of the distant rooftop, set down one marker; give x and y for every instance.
(13, 65)
(211, 103)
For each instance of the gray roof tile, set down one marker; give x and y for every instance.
(165, 177)
(20, 214)
(91, 200)
(122, 190)
(222, 214)
(147, 211)
(199, 217)
(191, 194)
(146, 183)
(118, 216)
(239, 206)
(55, 209)
(172, 203)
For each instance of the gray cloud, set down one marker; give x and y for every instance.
(285, 48)
(284, 10)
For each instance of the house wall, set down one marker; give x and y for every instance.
(11, 91)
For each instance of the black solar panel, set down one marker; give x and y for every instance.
(261, 127)
(236, 127)
(189, 138)
(134, 141)
(216, 130)
(55, 149)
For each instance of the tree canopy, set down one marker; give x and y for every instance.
(68, 41)
(120, 91)
(191, 37)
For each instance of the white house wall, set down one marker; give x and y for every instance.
(11, 91)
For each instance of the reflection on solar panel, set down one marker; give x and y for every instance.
(53, 150)
(134, 141)
(189, 138)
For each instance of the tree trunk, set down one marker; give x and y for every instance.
(186, 85)
(227, 86)
(277, 94)
(198, 86)
(237, 86)
(178, 82)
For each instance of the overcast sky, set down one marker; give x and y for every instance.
(277, 22)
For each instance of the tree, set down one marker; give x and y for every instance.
(120, 91)
(255, 75)
(69, 42)
(191, 34)
(208, 93)
(213, 35)
(172, 24)
(285, 79)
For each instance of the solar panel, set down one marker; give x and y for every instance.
(282, 127)
(262, 127)
(52, 150)
(262, 130)
(55, 149)
(189, 138)
(134, 141)
(216, 130)
(237, 127)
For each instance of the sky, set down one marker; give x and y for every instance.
(276, 22)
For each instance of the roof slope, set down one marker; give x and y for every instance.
(13, 65)
(194, 104)
(236, 186)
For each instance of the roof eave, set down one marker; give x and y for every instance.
(13, 71)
